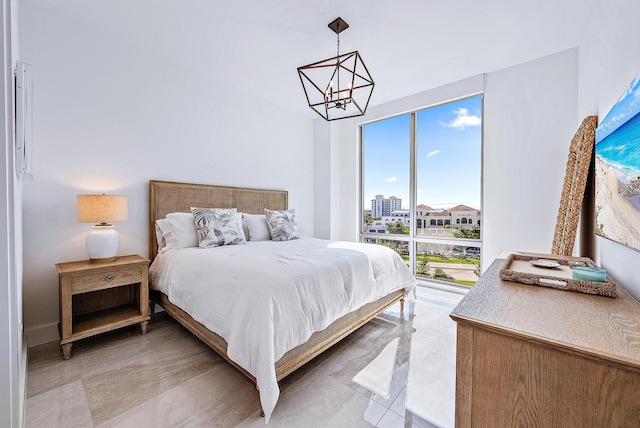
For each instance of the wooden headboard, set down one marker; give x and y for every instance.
(166, 197)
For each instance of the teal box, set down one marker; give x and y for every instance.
(586, 273)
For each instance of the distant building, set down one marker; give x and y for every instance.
(402, 215)
(437, 219)
(458, 216)
(377, 227)
(422, 211)
(381, 206)
(389, 210)
(462, 215)
(380, 226)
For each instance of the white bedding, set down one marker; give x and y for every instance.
(265, 298)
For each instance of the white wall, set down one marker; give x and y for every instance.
(609, 61)
(530, 117)
(110, 115)
(322, 166)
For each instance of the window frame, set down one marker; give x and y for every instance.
(412, 237)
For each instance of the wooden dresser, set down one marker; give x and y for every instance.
(540, 357)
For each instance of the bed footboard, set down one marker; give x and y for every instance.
(301, 354)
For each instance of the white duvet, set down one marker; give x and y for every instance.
(265, 298)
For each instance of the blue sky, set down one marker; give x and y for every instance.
(627, 107)
(448, 156)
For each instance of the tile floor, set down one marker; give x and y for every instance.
(396, 371)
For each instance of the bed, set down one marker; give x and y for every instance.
(255, 359)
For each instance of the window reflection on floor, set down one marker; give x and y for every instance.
(413, 368)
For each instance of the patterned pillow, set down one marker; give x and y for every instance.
(282, 225)
(217, 227)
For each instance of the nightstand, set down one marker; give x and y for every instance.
(100, 297)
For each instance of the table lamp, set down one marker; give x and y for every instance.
(103, 240)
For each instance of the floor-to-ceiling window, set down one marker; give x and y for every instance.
(420, 188)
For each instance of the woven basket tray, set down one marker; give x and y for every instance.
(518, 269)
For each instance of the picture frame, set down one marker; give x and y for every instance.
(573, 188)
(617, 171)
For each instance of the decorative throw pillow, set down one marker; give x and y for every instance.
(282, 224)
(257, 225)
(217, 227)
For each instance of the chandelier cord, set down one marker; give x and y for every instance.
(338, 64)
(338, 34)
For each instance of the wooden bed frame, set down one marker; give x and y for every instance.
(166, 197)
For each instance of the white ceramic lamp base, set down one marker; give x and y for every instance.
(102, 243)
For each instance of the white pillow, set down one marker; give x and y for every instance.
(164, 234)
(183, 230)
(245, 228)
(257, 225)
(243, 232)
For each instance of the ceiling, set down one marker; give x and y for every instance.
(408, 45)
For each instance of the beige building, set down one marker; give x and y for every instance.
(458, 216)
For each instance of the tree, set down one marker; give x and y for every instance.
(398, 227)
(368, 220)
(423, 268)
(467, 233)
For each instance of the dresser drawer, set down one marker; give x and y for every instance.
(107, 278)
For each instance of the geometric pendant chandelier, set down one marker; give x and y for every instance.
(338, 87)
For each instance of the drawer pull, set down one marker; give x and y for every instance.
(109, 278)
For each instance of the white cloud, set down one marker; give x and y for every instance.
(630, 89)
(420, 191)
(463, 120)
(391, 179)
(433, 153)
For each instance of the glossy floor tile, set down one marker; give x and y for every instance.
(396, 371)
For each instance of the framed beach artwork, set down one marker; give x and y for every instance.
(618, 170)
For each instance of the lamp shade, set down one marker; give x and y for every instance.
(102, 208)
(103, 240)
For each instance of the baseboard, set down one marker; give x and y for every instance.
(23, 384)
(42, 334)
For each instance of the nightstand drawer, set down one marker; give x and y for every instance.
(105, 279)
